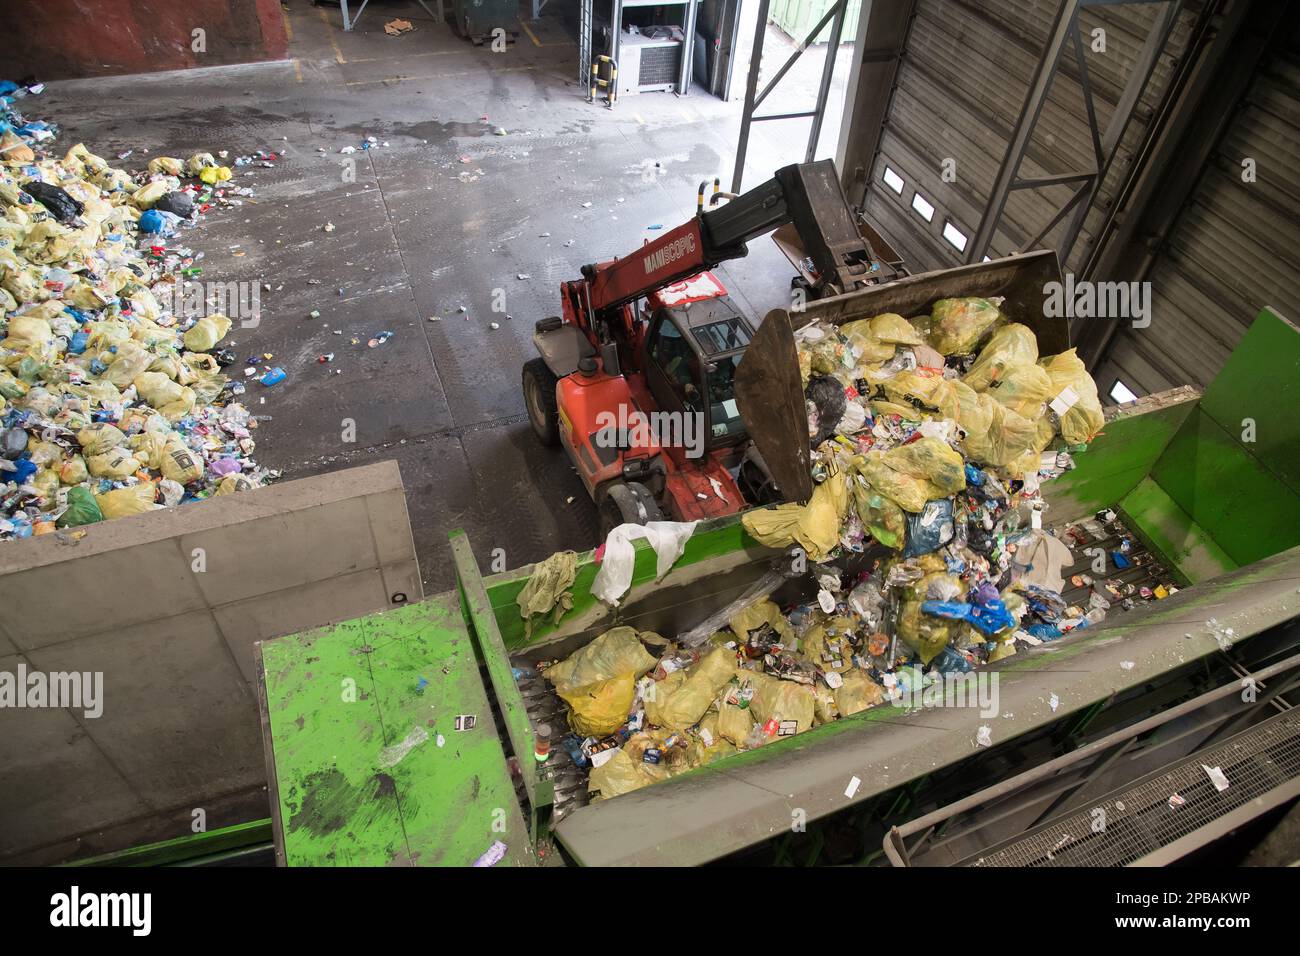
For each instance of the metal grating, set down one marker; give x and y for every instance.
(659, 65)
(1139, 820)
(545, 707)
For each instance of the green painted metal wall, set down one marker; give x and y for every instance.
(1226, 492)
(797, 17)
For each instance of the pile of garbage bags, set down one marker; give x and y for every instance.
(112, 396)
(922, 543)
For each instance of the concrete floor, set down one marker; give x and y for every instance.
(446, 216)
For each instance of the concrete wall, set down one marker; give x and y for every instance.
(180, 726)
(64, 39)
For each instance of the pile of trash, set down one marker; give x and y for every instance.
(923, 540)
(112, 398)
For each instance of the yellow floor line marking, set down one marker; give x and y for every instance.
(532, 36)
(411, 56)
(297, 69)
(439, 76)
(288, 27)
(338, 54)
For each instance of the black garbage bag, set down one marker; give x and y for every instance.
(825, 392)
(13, 442)
(58, 202)
(178, 203)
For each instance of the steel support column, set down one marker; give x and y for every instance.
(753, 98)
(1105, 146)
(1023, 131)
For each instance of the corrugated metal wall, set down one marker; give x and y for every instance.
(962, 81)
(1234, 248)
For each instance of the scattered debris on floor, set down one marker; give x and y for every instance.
(112, 395)
(397, 27)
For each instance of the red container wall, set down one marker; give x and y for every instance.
(61, 39)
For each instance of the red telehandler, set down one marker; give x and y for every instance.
(655, 332)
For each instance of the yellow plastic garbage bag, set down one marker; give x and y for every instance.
(166, 164)
(700, 754)
(146, 196)
(1013, 344)
(913, 474)
(734, 723)
(214, 174)
(882, 518)
(169, 399)
(12, 387)
(600, 708)
(98, 438)
(1022, 389)
(548, 590)
(1031, 459)
(931, 459)
(134, 500)
(149, 447)
(105, 334)
(82, 295)
(659, 694)
(755, 616)
(814, 526)
(115, 464)
(924, 633)
(13, 151)
(46, 483)
(207, 386)
(615, 653)
(180, 463)
(824, 709)
(921, 389)
(199, 162)
(878, 337)
(827, 645)
(692, 699)
(892, 327)
(971, 410)
(129, 361)
(783, 700)
(1074, 398)
(957, 325)
(829, 355)
(618, 775)
(206, 332)
(907, 492)
(870, 348)
(233, 483)
(1008, 437)
(73, 471)
(857, 692)
(27, 331)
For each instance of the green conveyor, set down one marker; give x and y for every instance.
(1222, 513)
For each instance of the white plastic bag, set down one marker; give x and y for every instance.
(668, 538)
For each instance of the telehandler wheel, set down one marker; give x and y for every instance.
(627, 503)
(539, 399)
